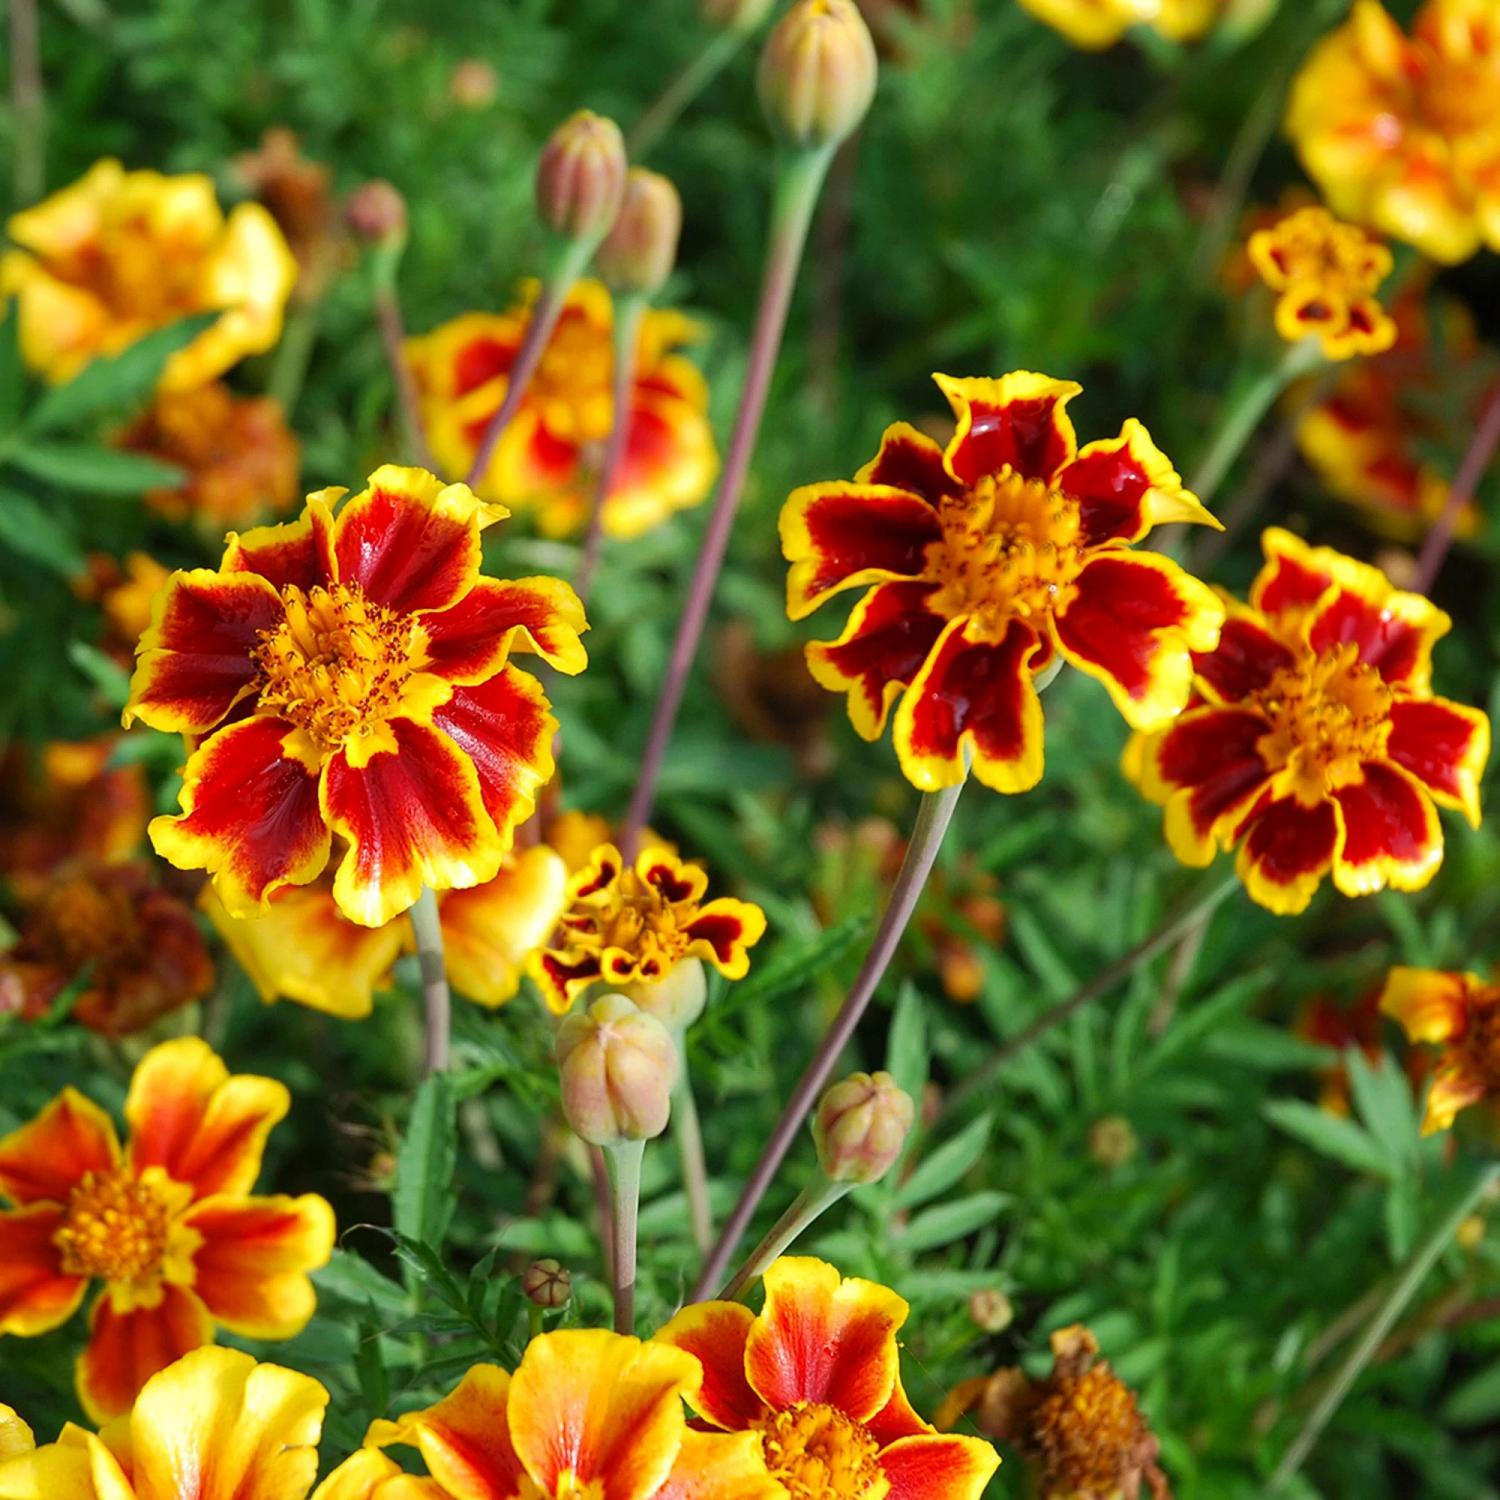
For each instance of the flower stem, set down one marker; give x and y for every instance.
(809, 1205)
(1465, 482)
(801, 178)
(386, 260)
(695, 76)
(625, 1188)
(294, 354)
(436, 1002)
(568, 263)
(933, 817)
(28, 102)
(629, 310)
(1403, 1289)
(689, 1133)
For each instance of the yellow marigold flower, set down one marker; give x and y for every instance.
(1095, 24)
(1314, 742)
(1403, 132)
(125, 593)
(1460, 1015)
(548, 457)
(632, 925)
(1325, 274)
(586, 1412)
(120, 253)
(168, 1224)
(986, 561)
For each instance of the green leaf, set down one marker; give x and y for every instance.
(1330, 1135)
(108, 677)
(795, 970)
(355, 1280)
(1383, 1097)
(906, 1057)
(104, 471)
(423, 1198)
(941, 1169)
(34, 533)
(951, 1221)
(12, 371)
(1476, 1400)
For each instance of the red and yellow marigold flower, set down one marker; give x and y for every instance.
(548, 457)
(168, 1224)
(586, 1413)
(1315, 743)
(119, 254)
(1325, 275)
(1101, 23)
(982, 564)
(1403, 131)
(352, 676)
(1327, 1023)
(632, 925)
(816, 1374)
(1460, 1015)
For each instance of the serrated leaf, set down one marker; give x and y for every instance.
(422, 1201)
(356, 1280)
(951, 1221)
(99, 471)
(1330, 1135)
(32, 532)
(942, 1168)
(1383, 1098)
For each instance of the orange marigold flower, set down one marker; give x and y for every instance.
(1096, 24)
(586, 1412)
(1315, 743)
(239, 457)
(986, 561)
(1460, 1015)
(632, 925)
(353, 676)
(548, 457)
(817, 1375)
(168, 1224)
(119, 253)
(1325, 274)
(1403, 132)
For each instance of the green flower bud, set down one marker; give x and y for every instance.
(860, 1126)
(618, 1065)
(817, 73)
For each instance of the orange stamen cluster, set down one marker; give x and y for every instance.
(115, 1227)
(820, 1454)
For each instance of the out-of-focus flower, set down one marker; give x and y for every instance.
(1329, 1024)
(298, 193)
(817, 72)
(1080, 1428)
(134, 949)
(353, 676)
(1325, 275)
(587, 1412)
(773, 697)
(124, 593)
(168, 1224)
(861, 1124)
(1460, 1015)
(638, 253)
(984, 562)
(1097, 24)
(239, 458)
(633, 924)
(1315, 743)
(547, 459)
(1403, 132)
(618, 1066)
(473, 83)
(817, 1374)
(580, 176)
(376, 214)
(1112, 1141)
(119, 253)
(547, 1283)
(991, 1310)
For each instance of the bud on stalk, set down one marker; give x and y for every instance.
(580, 177)
(376, 214)
(547, 1283)
(638, 253)
(817, 73)
(861, 1125)
(618, 1066)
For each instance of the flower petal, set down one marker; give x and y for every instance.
(723, 932)
(909, 460)
(1247, 657)
(1294, 576)
(823, 1338)
(715, 1334)
(1391, 836)
(1208, 771)
(938, 1467)
(1430, 1005)
(15, 1436)
(369, 1475)
(77, 1466)
(720, 1466)
(44, 1160)
(1393, 631)
(1456, 1084)
(472, 639)
(1127, 485)
(1445, 746)
(125, 1349)
(1017, 420)
(297, 553)
(1287, 851)
(35, 1295)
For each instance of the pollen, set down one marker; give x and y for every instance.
(114, 1228)
(820, 1454)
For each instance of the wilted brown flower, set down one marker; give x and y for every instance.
(298, 193)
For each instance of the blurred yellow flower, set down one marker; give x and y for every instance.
(1101, 23)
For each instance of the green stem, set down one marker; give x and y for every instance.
(810, 1204)
(1403, 1289)
(294, 354)
(695, 76)
(625, 1195)
(385, 263)
(437, 1005)
(688, 1131)
(28, 103)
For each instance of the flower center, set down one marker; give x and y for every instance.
(1482, 1035)
(81, 918)
(571, 386)
(135, 270)
(639, 922)
(1010, 548)
(1087, 1431)
(338, 663)
(820, 1454)
(115, 1227)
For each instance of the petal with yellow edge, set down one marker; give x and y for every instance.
(938, 1467)
(1430, 1005)
(1126, 485)
(1445, 746)
(1287, 851)
(78, 1466)
(1017, 421)
(36, 1295)
(1245, 660)
(44, 1160)
(715, 1334)
(1391, 835)
(1209, 772)
(1394, 632)
(1456, 1084)
(720, 1466)
(471, 640)
(127, 1347)
(369, 1475)
(15, 1435)
(1294, 577)
(909, 460)
(296, 553)
(723, 932)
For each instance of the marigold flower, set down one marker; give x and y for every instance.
(983, 563)
(240, 458)
(587, 1412)
(861, 1124)
(124, 593)
(1325, 274)
(298, 193)
(1096, 24)
(1460, 1015)
(817, 1375)
(353, 676)
(632, 925)
(1315, 743)
(549, 456)
(169, 1224)
(1403, 132)
(120, 253)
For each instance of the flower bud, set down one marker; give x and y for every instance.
(817, 73)
(547, 1283)
(638, 253)
(991, 1309)
(618, 1066)
(580, 176)
(473, 83)
(676, 1001)
(860, 1127)
(376, 213)
(735, 15)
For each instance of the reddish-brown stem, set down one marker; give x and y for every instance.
(1465, 482)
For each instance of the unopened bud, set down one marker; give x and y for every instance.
(676, 1001)
(376, 213)
(547, 1283)
(817, 73)
(618, 1066)
(638, 253)
(991, 1310)
(860, 1126)
(580, 176)
(735, 15)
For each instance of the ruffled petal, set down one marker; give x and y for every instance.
(1247, 657)
(1017, 420)
(1127, 485)
(939, 1467)
(1393, 632)
(720, 1466)
(370, 1475)
(1208, 771)
(715, 1334)
(723, 932)
(35, 1295)
(1287, 851)
(1294, 577)
(909, 460)
(45, 1159)
(1391, 836)
(1445, 746)
(1430, 1005)
(125, 1349)
(472, 640)
(293, 553)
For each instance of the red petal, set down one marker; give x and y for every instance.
(471, 641)
(909, 460)
(126, 1349)
(1293, 577)
(1247, 657)
(714, 1333)
(1391, 834)
(1017, 421)
(1125, 486)
(35, 1295)
(44, 1160)
(1288, 849)
(1211, 753)
(1444, 745)
(1395, 643)
(940, 1467)
(298, 553)
(480, 360)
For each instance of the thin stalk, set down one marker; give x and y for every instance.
(799, 182)
(809, 1204)
(437, 1005)
(933, 817)
(685, 86)
(571, 257)
(629, 310)
(625, 1196)
(294, 354)
(388, 319)
(1470, 471)
(688, 1131)
(27, 102)
(1403, 1289)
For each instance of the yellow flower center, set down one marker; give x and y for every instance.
(1010, 548)
(639, 921)
(115, 1227)
(1088, 1432)
(338, 664)
(820, 1454)
(571, 387)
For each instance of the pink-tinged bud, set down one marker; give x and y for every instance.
(376, 213)
(580, 177)
(547, 1283)
(618, 1066)
(742, 16)
(817, 73)
(676, 1001)
(639, 251)
(860, 1126)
